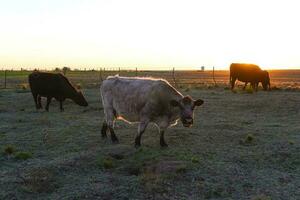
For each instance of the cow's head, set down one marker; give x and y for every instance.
(187, 106)
(80, 100)
(266, 80)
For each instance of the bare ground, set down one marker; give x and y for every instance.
(242, 146)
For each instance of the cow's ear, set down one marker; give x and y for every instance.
(174, 103)
(198, 102)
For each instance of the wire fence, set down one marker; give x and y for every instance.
(93, 78)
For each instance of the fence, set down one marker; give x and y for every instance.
(93, 78)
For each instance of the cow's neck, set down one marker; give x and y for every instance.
(176, 113)
(71, 93)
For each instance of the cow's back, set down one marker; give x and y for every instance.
(129, 96)
(244, 72)
(46, 84)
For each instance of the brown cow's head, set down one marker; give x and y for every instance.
(266, 80)
(80, 100)
(187, 106)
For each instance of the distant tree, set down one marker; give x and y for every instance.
(65, 70)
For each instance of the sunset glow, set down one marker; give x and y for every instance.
(149, 34)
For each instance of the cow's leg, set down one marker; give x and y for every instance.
(162, 127)
(141, 129)
(233, 82)
(48, 103)
(113, 136)
(61, 106)
(252, 85)
(245, 85)
(39, 100)
(110, 118)
(104, 130)
(35, 96)
(162, 138)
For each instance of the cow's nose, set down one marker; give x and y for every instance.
(189, 120)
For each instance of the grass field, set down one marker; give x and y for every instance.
(243, 145)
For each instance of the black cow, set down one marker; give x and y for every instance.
(249, 73)
(56, 86)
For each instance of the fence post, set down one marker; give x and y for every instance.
(100, 75)
(5, 79)
(214, 76)
(119, 71)
(136, 71)
(174, 79)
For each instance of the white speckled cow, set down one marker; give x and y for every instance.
(144, 100)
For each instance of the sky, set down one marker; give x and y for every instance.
(156, 34)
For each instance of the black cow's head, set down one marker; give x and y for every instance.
(187, 106)
(266, 80)
(80, 100)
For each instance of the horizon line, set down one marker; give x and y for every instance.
(128, 69)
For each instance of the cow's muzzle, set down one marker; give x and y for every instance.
(187, 122)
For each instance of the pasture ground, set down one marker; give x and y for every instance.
(242, 146)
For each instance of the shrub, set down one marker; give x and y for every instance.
(194, 160)
(291, 142)
(249, 138)
(23, 155)
(105, 163)
(249, 90)
(9, 149)
(108, 163)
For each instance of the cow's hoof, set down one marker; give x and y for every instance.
(163, 145)
(115, 141)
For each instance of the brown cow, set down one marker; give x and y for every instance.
(56, 86)
(249, 73)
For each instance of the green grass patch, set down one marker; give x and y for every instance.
(105, 162)
(23, 155)
(15, 73)
(261, 197)
(249, 90)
